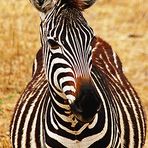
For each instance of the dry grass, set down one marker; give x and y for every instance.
(122, 23)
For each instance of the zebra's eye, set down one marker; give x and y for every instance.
(53, 44)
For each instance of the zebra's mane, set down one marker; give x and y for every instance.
(72, 15)
(81, 4)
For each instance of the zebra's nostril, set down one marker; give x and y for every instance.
(99, 108)
(76, 108)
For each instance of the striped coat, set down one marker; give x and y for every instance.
(56, 109)
(122, 106)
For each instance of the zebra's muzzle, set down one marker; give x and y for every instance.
(87, 103)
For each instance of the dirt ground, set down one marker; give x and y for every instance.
(123, 24)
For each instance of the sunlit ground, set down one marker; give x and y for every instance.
(123, 24)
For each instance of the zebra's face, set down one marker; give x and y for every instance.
(68, 62)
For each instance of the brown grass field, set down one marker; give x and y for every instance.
(124, 24)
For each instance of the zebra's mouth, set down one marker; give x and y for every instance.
(86, 116)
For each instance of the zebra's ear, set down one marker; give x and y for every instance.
(83, 4)
(43, 5)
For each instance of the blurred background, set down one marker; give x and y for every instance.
(123, 24)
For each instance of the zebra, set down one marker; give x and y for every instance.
(78, 95)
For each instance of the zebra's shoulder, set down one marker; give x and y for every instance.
(38, 63)
(105, 58)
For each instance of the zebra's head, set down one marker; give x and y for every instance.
(43, 5)
(66, 40)
(46, 5)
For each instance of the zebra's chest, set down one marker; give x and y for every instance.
(59, 133)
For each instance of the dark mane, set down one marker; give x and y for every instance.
(79, 4)
(72, 15)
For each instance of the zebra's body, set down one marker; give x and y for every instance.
(43, 116)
